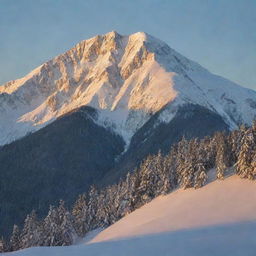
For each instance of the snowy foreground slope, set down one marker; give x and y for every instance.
(218, 219)
(127, 79)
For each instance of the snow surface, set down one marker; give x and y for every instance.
(218, 219)
(127, 78)
(220, 202)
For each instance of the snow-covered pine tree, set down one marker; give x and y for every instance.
(253, 164)
(66, 222)
(171, 164)
(236, 142)
(115, 197)
(31, 234)
(106, 209)
(181, 157)
(93, 208)
(2, 242)
(4, 247)
(160, 174)
(244, 166)
(126, 195)
(200, 176)
(80, 213)
(165, 174)
(51, 227)
(148, 177)
(15, 240)
(222, 155)
(187, 173)
(120, 199)
(134, 198)
(131, 197)
(210, 152)
(121, 202)
(106, 213)
(59, 227)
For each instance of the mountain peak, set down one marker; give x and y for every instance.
(112, 34)
(127, 78)
(140, 35)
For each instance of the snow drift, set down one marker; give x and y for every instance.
(220, 202)
(217, 219)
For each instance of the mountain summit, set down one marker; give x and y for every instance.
(127, 78)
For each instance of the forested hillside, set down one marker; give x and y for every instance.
(59, 161)
(185, 166)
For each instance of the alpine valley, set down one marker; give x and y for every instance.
(92, 114)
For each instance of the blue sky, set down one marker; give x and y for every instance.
(219, 34)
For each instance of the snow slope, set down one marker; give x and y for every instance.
(218, 219)
(220, 202)
(127, 78)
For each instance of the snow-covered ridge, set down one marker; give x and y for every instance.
(127, 78)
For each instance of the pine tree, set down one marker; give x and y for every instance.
(187, 173)
(67, 233)
(67, 230)
(3, 246)
(51, 228)
(126, 191)
(106, 211)
(15, 241)
(80, 213)
(134, 198)
(31, 234)
(200, 176)
(59, 227)
(236, 142)
(221, 156)
(131, 198)
(148, 178)
(253, 165)
(93, 208)
(164, 183)
(244, 166)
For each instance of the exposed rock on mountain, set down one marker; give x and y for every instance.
(127, 79)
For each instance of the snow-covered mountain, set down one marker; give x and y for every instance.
(217, 219)
(126, 78)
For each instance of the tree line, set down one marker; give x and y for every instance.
(185, 166)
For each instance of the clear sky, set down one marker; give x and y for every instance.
(219, 34)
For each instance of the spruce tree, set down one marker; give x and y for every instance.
(147, 176)
(68, 233)
(3, 246)
(221, 156)
(131, 196)
(93, 208)
(200, 176)
(244, 165)
(31, 234)
(187, 173)
(15, 240)
(51, 226)
(66, 225)
(80, 213)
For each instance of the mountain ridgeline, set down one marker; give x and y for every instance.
(93, 114)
